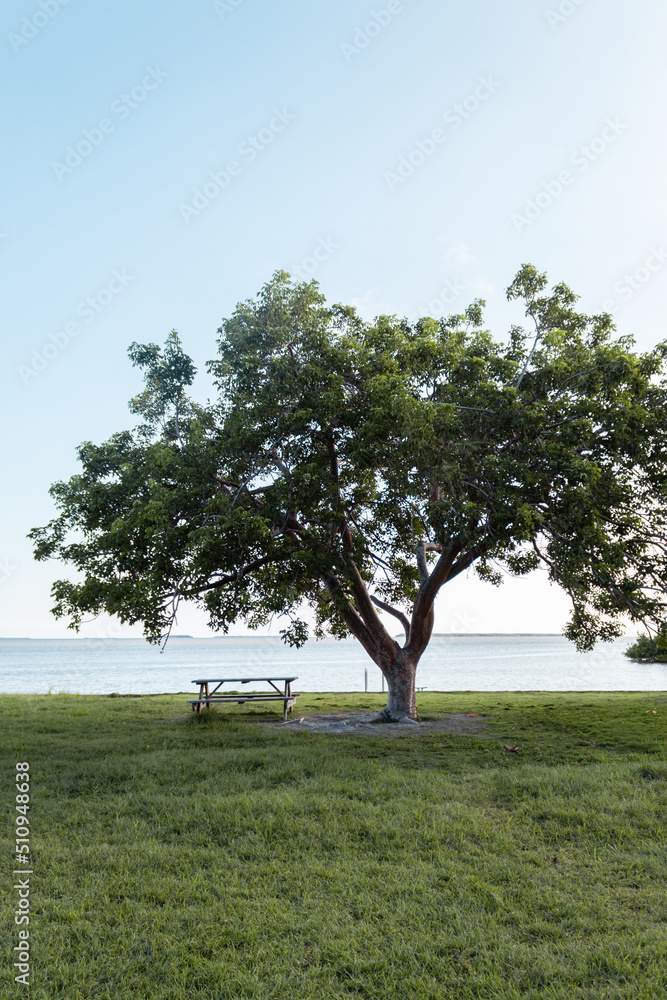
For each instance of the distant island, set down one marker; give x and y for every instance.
(491, 635)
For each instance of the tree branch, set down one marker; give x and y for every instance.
(403, 619)
(239, 574)
(532, 350)
(365, 607)
(352, 619)
(466, 560)
(421, 563)
(438, 576)
(421, 625)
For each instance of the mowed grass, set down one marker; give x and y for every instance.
(216, 857)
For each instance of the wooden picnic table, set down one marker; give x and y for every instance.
(208, 697)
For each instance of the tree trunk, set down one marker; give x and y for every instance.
(400, 676)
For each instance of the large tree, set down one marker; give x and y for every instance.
(356, 468)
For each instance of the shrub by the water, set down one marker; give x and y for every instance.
(647, 648)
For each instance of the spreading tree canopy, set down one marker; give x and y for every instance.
(355, 468)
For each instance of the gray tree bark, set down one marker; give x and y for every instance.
(399, 674)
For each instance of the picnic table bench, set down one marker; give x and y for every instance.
(208, 697)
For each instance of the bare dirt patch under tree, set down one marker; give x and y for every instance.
(363, 723)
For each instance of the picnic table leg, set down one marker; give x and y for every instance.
(197, 708)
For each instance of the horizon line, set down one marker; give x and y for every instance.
(139, 638)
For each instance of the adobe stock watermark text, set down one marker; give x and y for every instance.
(121, 108)
(247, 151)
(22, 872)
(32, 25)
(581, 159)
(454, 117)
(87, 310)
(365, 33)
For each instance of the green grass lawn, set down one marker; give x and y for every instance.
(215, 857)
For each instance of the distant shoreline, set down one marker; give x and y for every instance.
(256, 638)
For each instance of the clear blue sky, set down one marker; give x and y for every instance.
(116, 113)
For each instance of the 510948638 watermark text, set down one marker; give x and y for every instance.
(22, 872)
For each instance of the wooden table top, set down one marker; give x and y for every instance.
(242, 680)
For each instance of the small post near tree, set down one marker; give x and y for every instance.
(355, 468)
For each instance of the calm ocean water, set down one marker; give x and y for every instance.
(451, 663)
